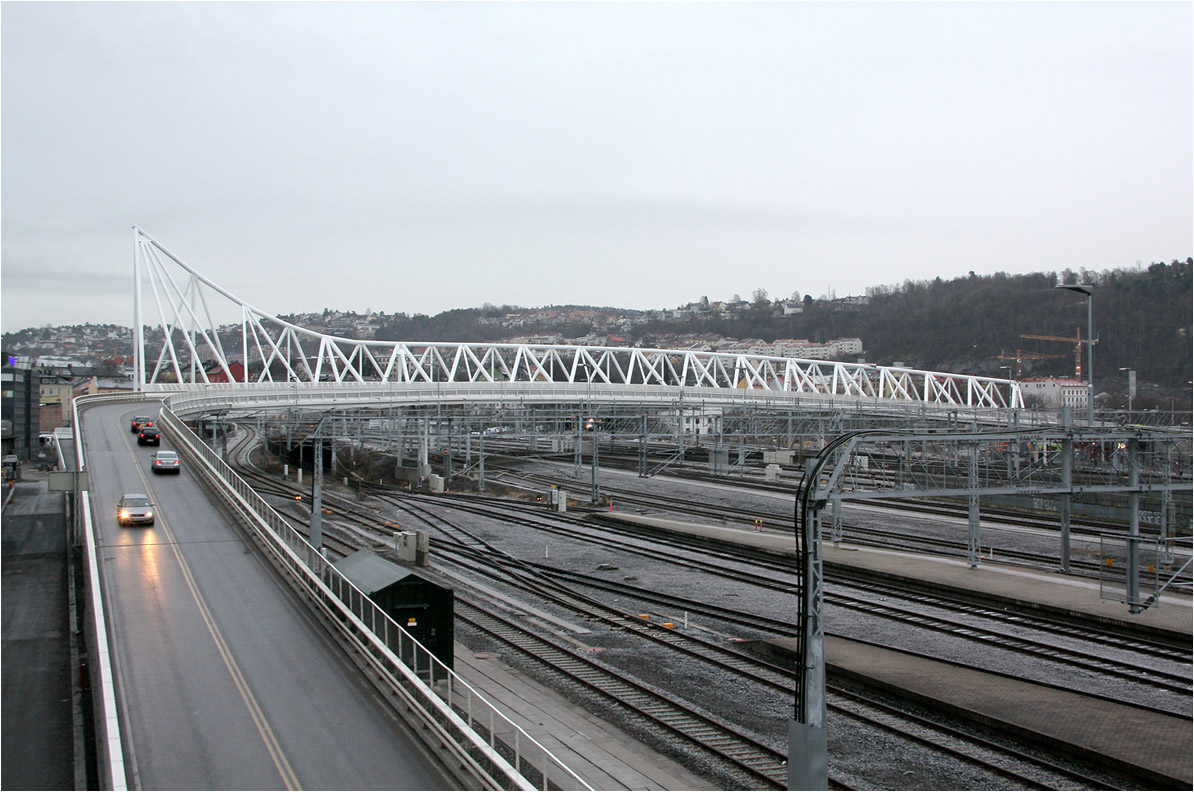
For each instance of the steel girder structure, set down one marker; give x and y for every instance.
(195, 350)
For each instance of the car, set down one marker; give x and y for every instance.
(149, 437)
(134, 509)
(166, 462)
(140, 422)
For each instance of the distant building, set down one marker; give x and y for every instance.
(19, 398)
(1055, 392)
(57, 394)
(803, 349)
(216, 374)
(846, 346)
(47, 365)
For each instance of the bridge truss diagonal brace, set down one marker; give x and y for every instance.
(193, 348)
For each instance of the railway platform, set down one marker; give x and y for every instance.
(1033, 590)
(599, 753)
(1153, 745)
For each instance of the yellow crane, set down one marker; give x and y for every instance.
(1076, 340)
(1021, 356)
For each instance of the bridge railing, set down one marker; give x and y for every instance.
(109, 743)
(497, 753)
(307, 395)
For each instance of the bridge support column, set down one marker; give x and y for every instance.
(1166, 528)
(596, 494)
(1134, 602)
(974, 550)
(580, 445)
(481, 463)
(975, 537)
(642, 451)
(316, 533)
(1067, 483)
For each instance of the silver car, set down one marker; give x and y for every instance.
(166, 462)
(134, 509)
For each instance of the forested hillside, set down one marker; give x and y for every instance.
(973, 325)
(1142, 320)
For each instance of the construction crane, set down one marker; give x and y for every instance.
(1076, 340)
(1021, 356)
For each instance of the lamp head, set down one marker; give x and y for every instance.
(1081, 288)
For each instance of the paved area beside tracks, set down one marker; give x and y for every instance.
(38, 725)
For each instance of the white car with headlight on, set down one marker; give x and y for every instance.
(134, 509)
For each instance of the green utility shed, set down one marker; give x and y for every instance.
(423, 608)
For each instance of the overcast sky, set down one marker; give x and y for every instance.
(418, 157)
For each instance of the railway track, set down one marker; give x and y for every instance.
(768, 571)
(467, 550)
(1004, 760)
(881, 476)
(654, 711)
(852, 530)
(968, 621)
(870, 535)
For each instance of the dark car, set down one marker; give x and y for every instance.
(149, 436)
(139, 423)
(166, 462)
(134, 509)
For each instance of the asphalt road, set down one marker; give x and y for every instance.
(225, 681)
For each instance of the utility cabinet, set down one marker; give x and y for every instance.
(420, 606)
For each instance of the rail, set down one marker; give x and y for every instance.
(494, 749)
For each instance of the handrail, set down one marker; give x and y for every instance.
(107, 720)
(191, 398)
(447, 704)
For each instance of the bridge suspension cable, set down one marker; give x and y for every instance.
(188, 347)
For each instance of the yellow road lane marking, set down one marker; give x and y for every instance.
(255, 712)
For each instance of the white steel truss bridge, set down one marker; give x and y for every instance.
(182, 347)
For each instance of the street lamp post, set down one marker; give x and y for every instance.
(1088, 290)
(1131, 387)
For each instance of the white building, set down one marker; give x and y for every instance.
(803, 349)
(1056, 392)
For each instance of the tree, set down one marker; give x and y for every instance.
(759, 297)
